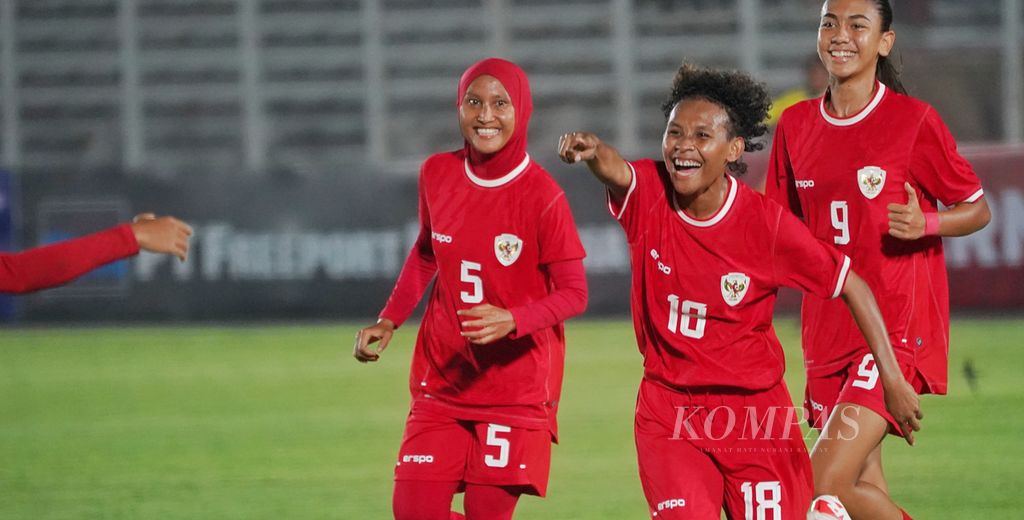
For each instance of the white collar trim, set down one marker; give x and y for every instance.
(500, 181)
(858, 117)
(718, 216)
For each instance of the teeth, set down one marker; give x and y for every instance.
(842, 54)
(686, 164)
(487, 132)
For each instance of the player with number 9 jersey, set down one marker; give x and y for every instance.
(486, 373)
(840, 175)
(866, 167)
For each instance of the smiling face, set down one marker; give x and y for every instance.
(851, 39)
(697, 147)
(486, 115)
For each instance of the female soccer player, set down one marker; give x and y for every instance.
(55, 264)
(715, 425)
(864, 166)
(487, 368)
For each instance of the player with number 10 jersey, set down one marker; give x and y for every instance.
(715, 427)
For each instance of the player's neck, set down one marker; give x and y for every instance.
(848, 97)
(704, 204)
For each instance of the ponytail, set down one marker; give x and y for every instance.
(888, 75)
(885, 71)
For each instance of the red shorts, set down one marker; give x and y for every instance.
(856, 384)
(701, 452)
(439, 448)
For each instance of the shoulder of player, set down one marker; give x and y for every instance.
(756, 205)
(644, 167)
(442, 162)
(650, 171)
(906, 107)
(538, 184)
(807, 108)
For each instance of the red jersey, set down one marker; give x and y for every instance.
(55, 264)
(490, 240)
(703, 291)
(840, 175)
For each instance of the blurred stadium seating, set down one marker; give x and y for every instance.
(288, 132)
(168, 87)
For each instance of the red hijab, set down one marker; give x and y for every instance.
(492, 166)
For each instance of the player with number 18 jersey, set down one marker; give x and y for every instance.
(707, 288)
(715, 426)
(703, 293)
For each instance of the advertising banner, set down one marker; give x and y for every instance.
(294, 248)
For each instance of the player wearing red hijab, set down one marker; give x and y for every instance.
(714, 420)
(865, 166)
(486, 375)
(55, 264)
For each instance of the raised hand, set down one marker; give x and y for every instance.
(906, 221)
(578, 146)
(162, 234)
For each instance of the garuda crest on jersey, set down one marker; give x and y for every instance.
(734, 287)
(507, 248)
(871, 180)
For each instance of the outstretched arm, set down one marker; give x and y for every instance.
(162, 235)
(55, 264)
(603, 160)
(900, 398)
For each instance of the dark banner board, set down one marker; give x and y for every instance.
(8, 212)
(296, 248)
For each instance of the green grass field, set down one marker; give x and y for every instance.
(280, 422)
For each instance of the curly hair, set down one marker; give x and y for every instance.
(744, 100)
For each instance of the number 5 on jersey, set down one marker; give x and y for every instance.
(470, 273)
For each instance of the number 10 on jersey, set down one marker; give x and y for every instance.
(687, 317)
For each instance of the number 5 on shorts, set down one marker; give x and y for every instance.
(493, 440)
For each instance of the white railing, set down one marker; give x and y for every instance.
(256, 85)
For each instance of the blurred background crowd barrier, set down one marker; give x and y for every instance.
(289, 132)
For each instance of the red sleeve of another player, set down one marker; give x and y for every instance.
(561, 252)
(559, 239)
(56, 264)
(779, 183)
(806, 263)
(417, 272)
(568, 299)
(938, 167)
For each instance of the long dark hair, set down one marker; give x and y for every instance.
(885, 71)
